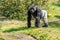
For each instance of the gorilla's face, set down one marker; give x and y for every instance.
(32, 9)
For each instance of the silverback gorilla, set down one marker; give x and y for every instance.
(38, 14)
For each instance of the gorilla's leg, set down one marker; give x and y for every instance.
(44, 18)
(37, 20)
(45, 22)
(29, 20)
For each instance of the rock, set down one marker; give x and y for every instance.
(18, 37)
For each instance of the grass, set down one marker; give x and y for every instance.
(39, 33)
(50, 33)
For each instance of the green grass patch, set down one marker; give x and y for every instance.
(50, 33)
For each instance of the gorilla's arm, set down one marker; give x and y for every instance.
(37, 19)
(29, 19)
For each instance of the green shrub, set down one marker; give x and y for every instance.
(17, 9)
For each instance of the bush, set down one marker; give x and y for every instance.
(17, 9)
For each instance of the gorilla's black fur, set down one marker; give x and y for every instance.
(37, 13)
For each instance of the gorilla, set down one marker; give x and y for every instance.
(38, 14)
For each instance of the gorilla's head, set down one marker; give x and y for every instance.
(32, 8)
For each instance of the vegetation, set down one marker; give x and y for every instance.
(16, 9)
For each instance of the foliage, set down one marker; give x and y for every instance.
(17, 9)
